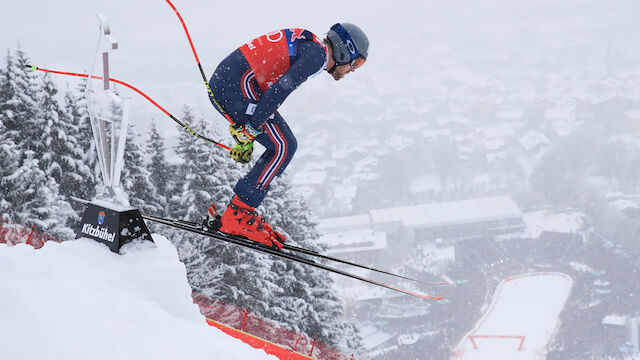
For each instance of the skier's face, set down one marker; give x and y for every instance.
(342, 70)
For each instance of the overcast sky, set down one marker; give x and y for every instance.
(154, 54)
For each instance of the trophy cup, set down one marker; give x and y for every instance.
(109, 218)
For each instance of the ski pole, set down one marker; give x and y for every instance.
(184, 126)
(195, 54)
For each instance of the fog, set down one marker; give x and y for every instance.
(537, 101)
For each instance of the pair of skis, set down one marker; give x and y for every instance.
(294, 253)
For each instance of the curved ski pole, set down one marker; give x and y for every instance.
(195, 54)
(184, 126)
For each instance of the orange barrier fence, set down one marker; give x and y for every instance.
(242, 319)
(258, 343)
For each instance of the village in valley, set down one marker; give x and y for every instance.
(498, 174)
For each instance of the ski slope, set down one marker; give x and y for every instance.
(78, 300)
(524, 311)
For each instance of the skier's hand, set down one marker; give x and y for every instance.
(243, 134)
(240, 153)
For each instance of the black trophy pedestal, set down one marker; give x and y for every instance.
(111, 227)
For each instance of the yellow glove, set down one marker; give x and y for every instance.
(243, 134)
(240, 153)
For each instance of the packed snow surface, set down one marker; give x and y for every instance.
(78, 300)
(539, 221)
(527, 305)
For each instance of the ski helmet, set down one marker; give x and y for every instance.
(348, 42)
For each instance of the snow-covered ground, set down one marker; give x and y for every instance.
(526, 305)
(78, 300)
(537, 222)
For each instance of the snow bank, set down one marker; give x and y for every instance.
(78, 300)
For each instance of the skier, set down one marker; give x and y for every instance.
(249, 85)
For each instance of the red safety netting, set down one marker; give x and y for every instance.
(243, 319)
(12, 233)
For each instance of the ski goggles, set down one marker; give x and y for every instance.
(357, 62)
(349, 46)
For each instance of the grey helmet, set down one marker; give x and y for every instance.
(348, 42)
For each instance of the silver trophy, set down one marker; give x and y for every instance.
(109, 120)
(109, 218)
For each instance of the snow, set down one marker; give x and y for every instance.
(633, 114)
(424, 184)
(565, 128)
(78, 300)
(538, 222)
(528, 305)
(372, 336)
(533, 139)
(345, 192)
(434, 133)
(512, 115)
(615, 320)
(499, 131)
(561, 112)
(309, 178)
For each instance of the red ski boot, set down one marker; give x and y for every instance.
(241, 219)
(274, 234)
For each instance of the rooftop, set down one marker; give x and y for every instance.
(345, 222)
(452, 212)
(354, 241)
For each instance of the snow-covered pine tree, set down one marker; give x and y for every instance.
(86, 140)
(30, 196)
(160, 171)
(136, 178)
(36, 200)
(8, 149)
(79, 178)
(208, 172)
(307, 300)
(23, 105)
(9, 155)
(62, 159)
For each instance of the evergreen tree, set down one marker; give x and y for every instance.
(160, 170)
(9, 155)
(208, 174)
(62, 159)
(23, 106)
(8, 150)
(29, 195)
(135, 178)
(79, 165)
(36, 200)
(85, 139)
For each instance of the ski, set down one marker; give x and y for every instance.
(197, 229)
(313, 253)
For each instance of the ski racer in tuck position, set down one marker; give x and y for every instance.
(249, 85)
